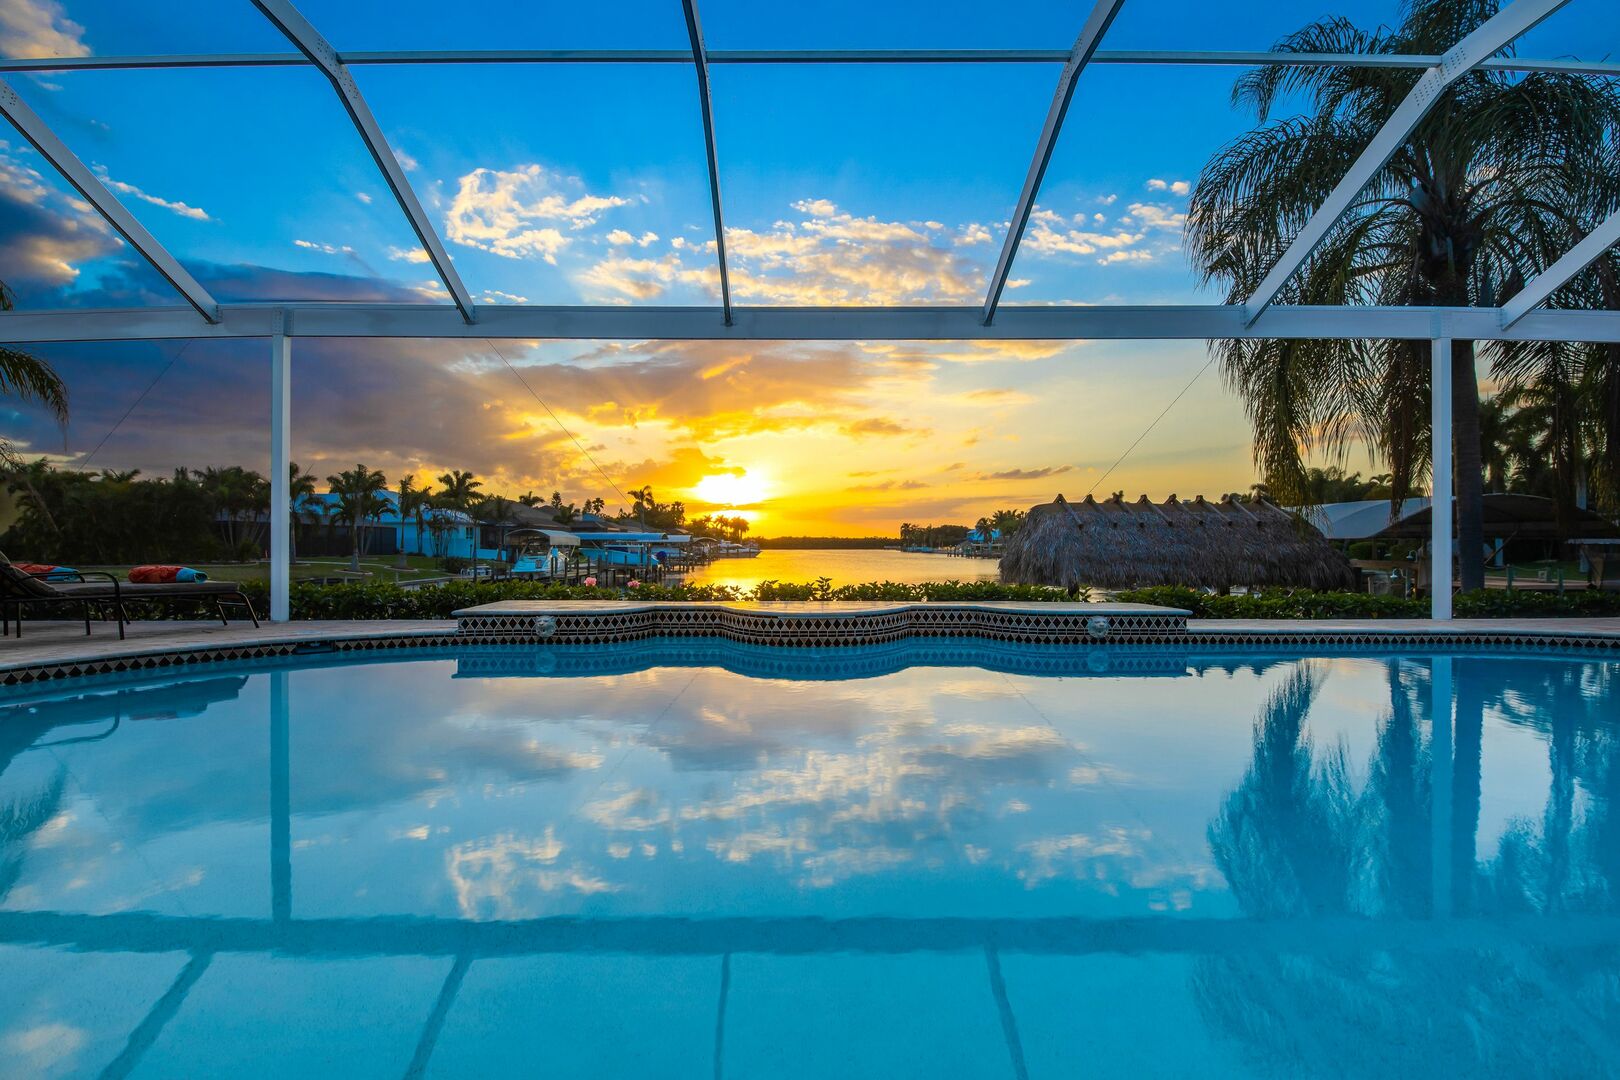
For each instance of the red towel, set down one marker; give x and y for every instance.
(154, 575)
(37, 568)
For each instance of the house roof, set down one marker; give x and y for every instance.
(1118, 544)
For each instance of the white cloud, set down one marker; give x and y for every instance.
(816, 207)
(39, 28)
(195, 213)
(504, 211)
(406, 162)
(1175, 187)
(973, 234)
(621, 238)
(1136, 255)
(1107, 200)
(411, 255)
(363, 197)
(325, 249)
(1155, 216)
(830, 258)
(495, 296)
(1045, 240)
(51, 233)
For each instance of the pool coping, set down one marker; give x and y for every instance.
(814, 625)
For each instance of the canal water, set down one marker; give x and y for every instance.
(844, 567)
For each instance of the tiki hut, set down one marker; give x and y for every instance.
(1117, 545)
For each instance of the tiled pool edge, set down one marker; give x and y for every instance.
(1005, 623)
(823, 625)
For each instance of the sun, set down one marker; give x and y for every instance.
(727, 489)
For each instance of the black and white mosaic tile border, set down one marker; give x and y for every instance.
(829, 631)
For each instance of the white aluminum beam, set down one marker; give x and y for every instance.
(320, 52)
(1014, 323)
(700, 61)
(89, 185)
(1134, 57)
(1091, 35)
(280, 469)
(1550, 280)
(1473, 50)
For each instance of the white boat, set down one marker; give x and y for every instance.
(728, 550)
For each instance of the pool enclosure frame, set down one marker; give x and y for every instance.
(1524, 317)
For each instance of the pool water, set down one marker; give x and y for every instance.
(680, 858)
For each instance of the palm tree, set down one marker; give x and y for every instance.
(529, 499)
(644, 502)
(460, 488)
(414, 503)
(1582, 378)
(359, 499)
(238, 496)
(406, 485)
(26, 376)
(300, 490)
(1006, 522)
(1468, 206)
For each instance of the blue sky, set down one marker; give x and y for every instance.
(586, 184)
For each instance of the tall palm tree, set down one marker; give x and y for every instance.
(460, 488)
(644, 502)
(1006, 522)
(300, 490)
(23, 375)
(414, 505)
(530, 499)
(407, 486)
(359, 492)
(1584, 376)
(1473, 202)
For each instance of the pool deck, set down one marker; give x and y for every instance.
(50, 649)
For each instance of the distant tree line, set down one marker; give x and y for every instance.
(114, 517)
(719, 526)
(933, 536)
(825, 543)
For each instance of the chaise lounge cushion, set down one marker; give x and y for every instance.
(19, 583)
(99, 590)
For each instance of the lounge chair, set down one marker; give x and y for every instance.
(89, 588)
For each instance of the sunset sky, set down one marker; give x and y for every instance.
(567, 184)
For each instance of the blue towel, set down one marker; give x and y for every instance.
(188, 575)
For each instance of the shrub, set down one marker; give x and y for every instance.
(454, 564)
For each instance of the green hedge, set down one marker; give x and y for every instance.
(380, 600)
(1306, 604)
(385, 600)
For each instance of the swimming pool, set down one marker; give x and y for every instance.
(694, 858)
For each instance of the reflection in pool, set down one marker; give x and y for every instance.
(690, 858)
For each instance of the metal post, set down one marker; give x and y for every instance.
(1440, 786)
(280, 475)
(1440, 454)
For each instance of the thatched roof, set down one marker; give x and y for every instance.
(1116, 545)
